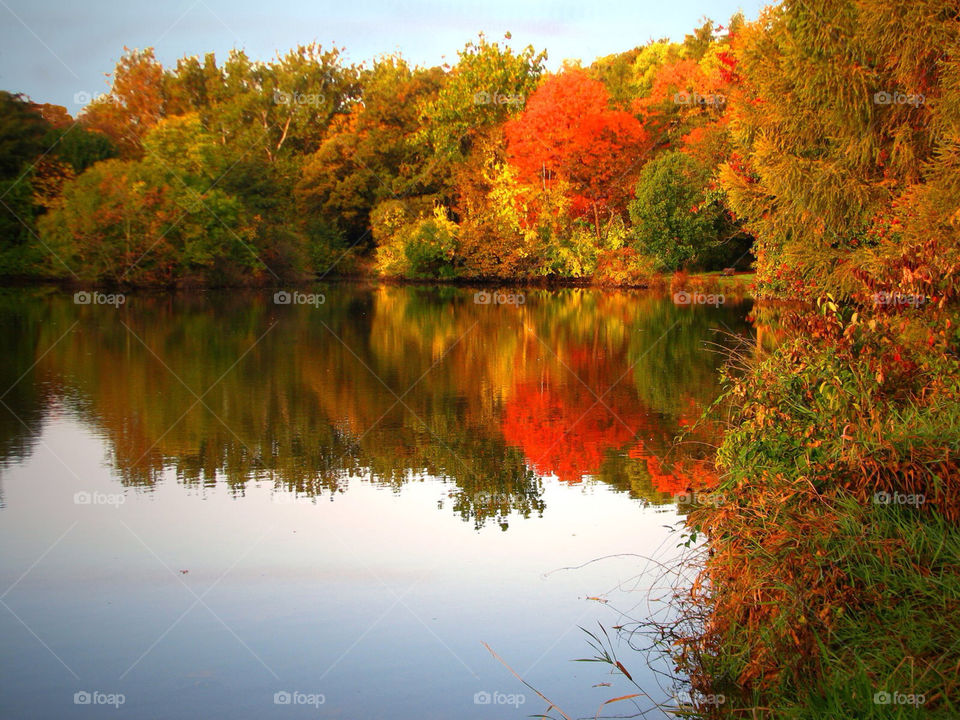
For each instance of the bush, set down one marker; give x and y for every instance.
(626, 268)
(672, 222)
(818, 587)
(419, 247)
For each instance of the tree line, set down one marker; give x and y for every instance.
(245, 171)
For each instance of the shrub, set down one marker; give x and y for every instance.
(413, 247)
(807, 559)
(672, 222)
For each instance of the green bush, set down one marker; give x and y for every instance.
(672, 221)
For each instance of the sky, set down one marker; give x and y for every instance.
(60, 51)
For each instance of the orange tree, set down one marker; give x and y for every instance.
(569, 133)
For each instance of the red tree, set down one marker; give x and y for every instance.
(568, 131)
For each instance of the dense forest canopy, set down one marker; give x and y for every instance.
(228, 171)
(814, 140)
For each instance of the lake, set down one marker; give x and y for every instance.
(323, 503)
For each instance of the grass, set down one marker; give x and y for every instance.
(816, 600)
(895, 632)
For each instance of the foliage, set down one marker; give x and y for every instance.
(419, 246)
(849, 410)
(22, 129)
(532, 171)
(135, 103)
(568, 133)
(846, 134)
(372, 153)
(127, 221)
(489, 83)
(495, 239)
(669, 223)
(833, 565)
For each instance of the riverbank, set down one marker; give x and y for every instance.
(737, 284)
(832, 584)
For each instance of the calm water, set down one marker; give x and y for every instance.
(211, 500)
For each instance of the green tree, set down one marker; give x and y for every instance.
(372, 154)
(670, 220)
(489, 83)
(22, 133)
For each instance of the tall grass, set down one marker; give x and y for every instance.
(832, 584)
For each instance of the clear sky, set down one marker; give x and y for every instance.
(59, 51)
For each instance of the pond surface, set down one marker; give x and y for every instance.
(215, 505)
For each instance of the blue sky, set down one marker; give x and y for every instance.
(60, 50)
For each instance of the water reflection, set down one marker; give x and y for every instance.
(385, 385)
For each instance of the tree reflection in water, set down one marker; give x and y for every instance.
(384, 385)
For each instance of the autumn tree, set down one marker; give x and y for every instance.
(371, 154)
(135, 103)
(845, 164)
(489, 83)
(497, 235)
(569, 133)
